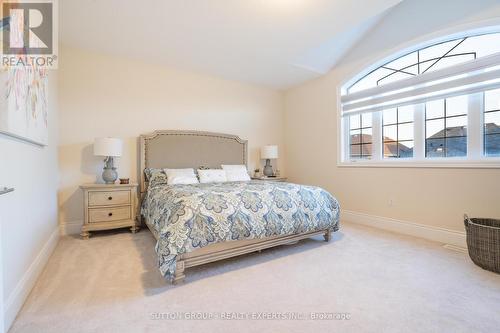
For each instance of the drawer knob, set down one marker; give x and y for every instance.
(110, 214)
(110, 198)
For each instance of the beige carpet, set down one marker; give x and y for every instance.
(382, 281)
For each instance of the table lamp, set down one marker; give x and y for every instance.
(110, 148)
(268, 152)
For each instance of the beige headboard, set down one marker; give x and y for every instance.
(189, 149)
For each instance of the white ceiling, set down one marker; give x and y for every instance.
(277, 43)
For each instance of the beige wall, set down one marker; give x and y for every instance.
(28, 216)
(436, 197)
(108, 96)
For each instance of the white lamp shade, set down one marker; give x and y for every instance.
(269, 152)
(108, 147)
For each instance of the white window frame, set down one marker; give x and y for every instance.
(475, 148)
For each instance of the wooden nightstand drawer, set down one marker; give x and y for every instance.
(271, 179)
(109, 206)
(109, 214)
(104, 198)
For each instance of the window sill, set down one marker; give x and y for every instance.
(459, 163)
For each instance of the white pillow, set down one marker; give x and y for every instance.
(181, 176)
(212, 176)
(236, 173)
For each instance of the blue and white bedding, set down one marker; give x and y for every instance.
(189, 217)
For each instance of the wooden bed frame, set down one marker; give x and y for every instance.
(193, 149)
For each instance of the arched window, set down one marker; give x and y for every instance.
(435, 105)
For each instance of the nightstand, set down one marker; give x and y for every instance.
(109, 207)
(271, 179)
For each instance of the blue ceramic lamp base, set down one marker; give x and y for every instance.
(268, 169)
(109, 174)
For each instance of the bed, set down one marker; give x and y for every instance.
(201, 223)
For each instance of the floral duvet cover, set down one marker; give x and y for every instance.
(188, 217)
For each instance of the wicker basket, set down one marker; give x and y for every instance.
(483, 242)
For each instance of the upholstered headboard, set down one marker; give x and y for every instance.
(189, 149)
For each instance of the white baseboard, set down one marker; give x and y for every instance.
(437, 234)
(70, 228)
(456, 248)
(16, 299)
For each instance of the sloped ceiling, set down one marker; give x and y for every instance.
(277, 43)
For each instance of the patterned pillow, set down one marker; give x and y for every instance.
(155, 176)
